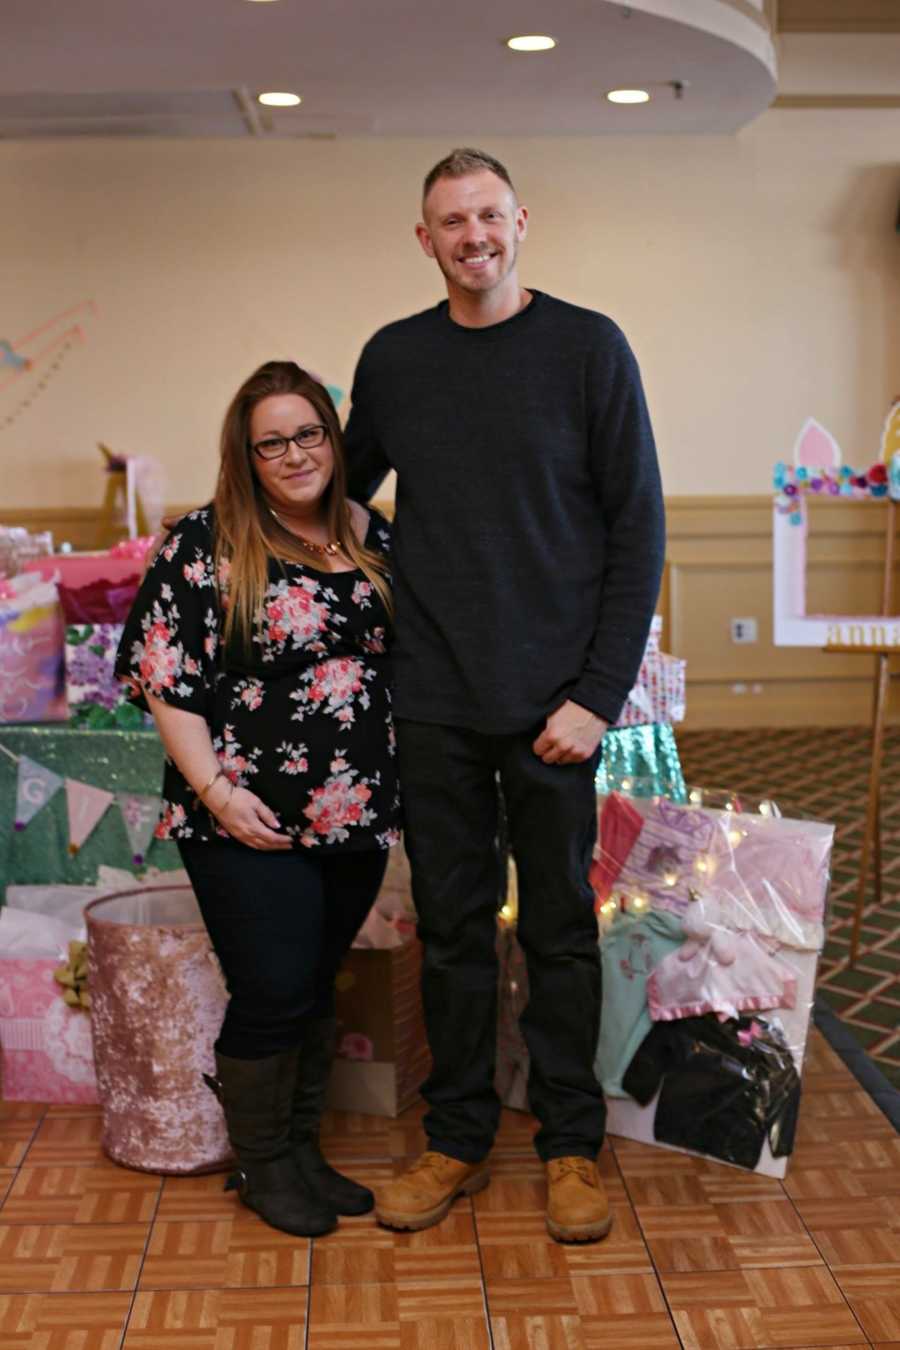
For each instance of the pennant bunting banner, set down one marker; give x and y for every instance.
(140, 815)
(35, 785)
(86, 806)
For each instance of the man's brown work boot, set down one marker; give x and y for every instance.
(424, 1193)
(577, 1207)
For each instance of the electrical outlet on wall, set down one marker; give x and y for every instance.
(744, 630)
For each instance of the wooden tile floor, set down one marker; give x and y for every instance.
(702, 1256)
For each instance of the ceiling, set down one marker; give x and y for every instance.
(377, 67)
(392, 67)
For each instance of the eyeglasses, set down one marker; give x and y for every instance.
(306, 438)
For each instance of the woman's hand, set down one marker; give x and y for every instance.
(248, 819)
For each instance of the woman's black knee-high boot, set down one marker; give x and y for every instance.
(316, 1053)
(257, 1096)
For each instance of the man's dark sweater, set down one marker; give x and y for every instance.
(529, 533)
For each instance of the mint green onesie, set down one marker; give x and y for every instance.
(629, 949)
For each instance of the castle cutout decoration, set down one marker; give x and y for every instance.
(817, 470)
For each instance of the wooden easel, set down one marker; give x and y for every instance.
(113, 522)
(871, 844)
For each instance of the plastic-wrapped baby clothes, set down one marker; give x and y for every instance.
(772, 871)
(718, 970)
(629, 950)
(776, 880)
(726, 1087)
(674, 841)
(619, 826)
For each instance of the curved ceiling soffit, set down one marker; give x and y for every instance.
(740, 22)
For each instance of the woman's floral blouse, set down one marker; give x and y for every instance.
(304, 720)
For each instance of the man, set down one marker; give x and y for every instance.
(528, 552)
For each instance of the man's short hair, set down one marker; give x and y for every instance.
(459, 163)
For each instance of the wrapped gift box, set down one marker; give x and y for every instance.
(94, 697)
(659, 693)
(46, 1045)
(32, 680)
(95, 612)
(382, 1054)
(18, 546)
(655, 634)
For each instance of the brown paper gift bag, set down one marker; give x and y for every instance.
(382, 1054)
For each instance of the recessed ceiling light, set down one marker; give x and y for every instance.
(628, 96)
(276, 100)
(531, 42)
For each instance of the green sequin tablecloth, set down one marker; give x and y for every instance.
(119, 761)
(640, 760)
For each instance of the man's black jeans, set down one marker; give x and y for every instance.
(450, 801)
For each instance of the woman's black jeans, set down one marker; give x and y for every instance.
(280, 924)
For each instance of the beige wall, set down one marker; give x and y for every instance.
(757, 276)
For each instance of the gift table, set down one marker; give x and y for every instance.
(118, 761)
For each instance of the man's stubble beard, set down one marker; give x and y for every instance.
(511, 256)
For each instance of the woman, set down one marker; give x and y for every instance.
(258, 641)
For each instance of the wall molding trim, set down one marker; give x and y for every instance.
(838, 16)
(860, 102)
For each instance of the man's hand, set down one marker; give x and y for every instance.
(571, 735)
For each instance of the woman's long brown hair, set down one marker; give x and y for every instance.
(247, 533)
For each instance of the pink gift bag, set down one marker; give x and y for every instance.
(32, 679)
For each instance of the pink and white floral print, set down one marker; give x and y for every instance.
(200, 571)
(373, 641)
(339, 805)
(170, 548)
(173, 822)
(335, 687)
(211, 637)
(362, 593)
(248, 694)
(317, 658)
(238, 766)
(294, 759)
(295, 616)
(159, 660)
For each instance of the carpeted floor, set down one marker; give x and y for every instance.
(823, 772)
